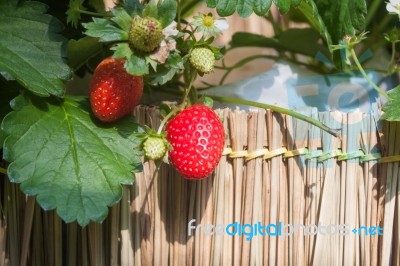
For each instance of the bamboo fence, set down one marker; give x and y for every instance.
(274, 169)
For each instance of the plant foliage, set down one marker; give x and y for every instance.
(67, 161)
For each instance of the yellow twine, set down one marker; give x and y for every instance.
(275, 153)
(257, 153)
(390, 159)
(267, 154)
(238, 154)
(293, 153)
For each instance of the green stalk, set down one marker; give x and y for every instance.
(359, 66)
(3, 170)
(181, 106)
(95, 14)
(392, 58)
(312, 121)
(166, 118)
(373, 7)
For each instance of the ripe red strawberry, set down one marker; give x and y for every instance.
(113, 92)
(197, 139)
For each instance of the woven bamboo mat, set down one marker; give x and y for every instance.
(275, 170)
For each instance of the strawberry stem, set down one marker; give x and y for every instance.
(334, 132)
(191, 78)
(359, 66)
(167, 117)
(90, 13)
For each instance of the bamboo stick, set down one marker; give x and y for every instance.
(124, 224)
(238, 138)
(96, 244)
(191, 214)
(219, 209)
(114, 231)
(85, 247)
(396, 235)
(27, 230)
(225, 167)
(3, 222)
(164, 232)
(72, 247)
(58, 242)
(182, 236)
(135, 214)
(326, 246)
(390, 198)
(12, 213)
(257, 241)
(38, 251)
(297, 139)
(266, 186)
(250, 175)
(221, 205)
(150, 225)
(198, 216)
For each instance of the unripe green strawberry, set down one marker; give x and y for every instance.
(202, 59)
(145, 34)
(154, 148)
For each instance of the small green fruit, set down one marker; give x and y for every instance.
(202, 59)
(145, 34)
(154, 148)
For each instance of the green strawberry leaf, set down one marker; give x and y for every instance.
(80, 51)
(60, 153)
(133, 7)
(246, 7)
(166, 11)
(31, 49)
(261, 7)
(307, 41)
(122, 50)
(175, 61)
(391, 108)
(226, 7)
(121, 18)
(106, 30)
(8, 91)
(136, 65)
(150, 10)
(310, 11)
(162, 76)
(282, 5)
(167, 71)
(343, 17)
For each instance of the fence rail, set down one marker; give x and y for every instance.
(332, 201)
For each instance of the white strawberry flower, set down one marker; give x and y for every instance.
(208, 25)
(393, 7)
